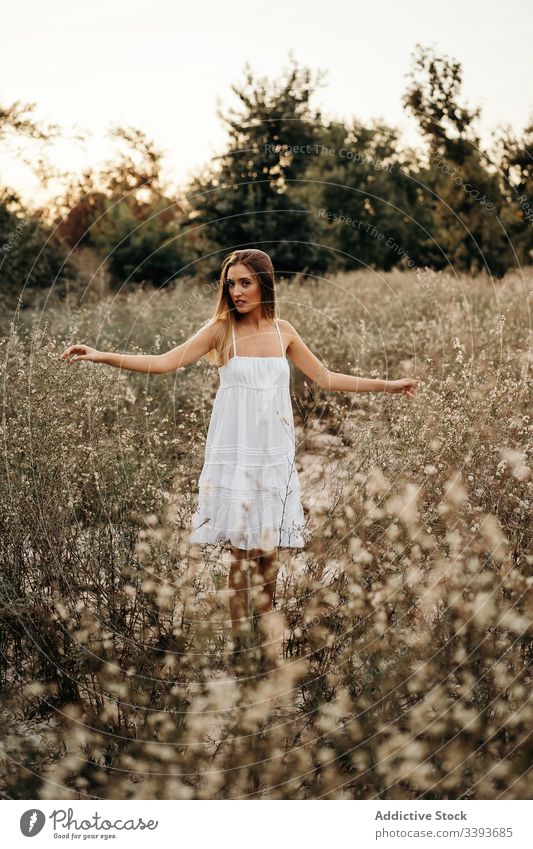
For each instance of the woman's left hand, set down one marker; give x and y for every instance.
(404, 386)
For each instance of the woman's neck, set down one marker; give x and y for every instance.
(252, 323)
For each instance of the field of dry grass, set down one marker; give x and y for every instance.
(405, 624)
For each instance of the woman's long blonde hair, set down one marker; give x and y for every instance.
(260, 264)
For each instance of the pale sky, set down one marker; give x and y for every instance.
(161, 66)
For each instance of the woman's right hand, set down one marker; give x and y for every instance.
(80, 352)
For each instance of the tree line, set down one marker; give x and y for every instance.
(318, 195)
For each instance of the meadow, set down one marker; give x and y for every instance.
(404, 625)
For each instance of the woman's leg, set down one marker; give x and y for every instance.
(268, 573)
(244, 565)
(259, 569)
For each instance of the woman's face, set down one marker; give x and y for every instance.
(243, 287)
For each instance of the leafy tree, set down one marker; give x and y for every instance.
(249, 196)
(432, 97)
(17, 120)
(124, 212)
(515, 158)
(77, 211)
(460, 188)
(359, 184)
(32, 255)
(137, 247)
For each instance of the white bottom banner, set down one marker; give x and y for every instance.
(241, 823)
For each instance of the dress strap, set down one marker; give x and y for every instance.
(234, 345)
(280, 339)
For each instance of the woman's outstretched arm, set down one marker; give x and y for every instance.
(335, 381)
(183, 355)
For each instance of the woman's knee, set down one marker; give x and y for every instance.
(237, 574)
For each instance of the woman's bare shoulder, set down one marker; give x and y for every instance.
(286, 327)
(215, 328)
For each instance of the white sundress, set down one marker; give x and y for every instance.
(249, 490)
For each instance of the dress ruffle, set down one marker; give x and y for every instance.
(248, 523)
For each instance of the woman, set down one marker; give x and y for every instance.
(249, 493)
